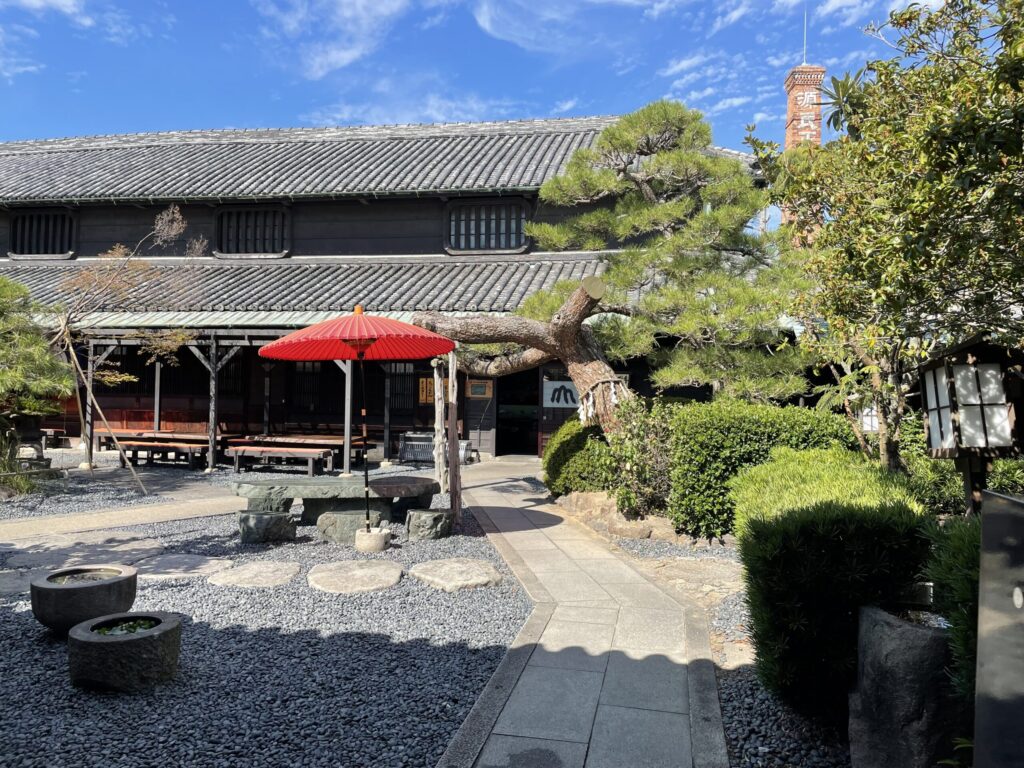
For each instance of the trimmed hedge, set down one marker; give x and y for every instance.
(711, 442)
(807, 574)
(794, 479)
(577, 458)
(953, 568)
(643, 465)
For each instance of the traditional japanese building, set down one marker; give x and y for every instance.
(300, 225)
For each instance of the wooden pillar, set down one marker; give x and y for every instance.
(454, 465)
(211, 456)
(440, 471)
(267, 367)
(346, 460)
(387, 415)
(158, 367)
(90, 418)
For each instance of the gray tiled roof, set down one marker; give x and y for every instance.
(393, 284)
(453, 158)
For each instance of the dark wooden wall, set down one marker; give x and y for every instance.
(331, 228)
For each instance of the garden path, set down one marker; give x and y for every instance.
(611, 670)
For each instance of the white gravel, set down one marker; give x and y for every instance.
(286, 676)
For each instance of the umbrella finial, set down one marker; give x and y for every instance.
(358, 310)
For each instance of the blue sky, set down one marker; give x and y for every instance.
(76, 67)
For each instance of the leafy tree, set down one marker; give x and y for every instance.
(693, 286)
(913, 218)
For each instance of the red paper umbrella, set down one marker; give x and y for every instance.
(359, 337)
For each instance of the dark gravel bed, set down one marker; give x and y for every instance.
(271, 677)
(731, 618)
(762, 732)
(79, 492)
(659, 550)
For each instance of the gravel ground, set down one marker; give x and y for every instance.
(763, 733)
(283, 676)
(660, 550)
(79, 492)
(731, 619)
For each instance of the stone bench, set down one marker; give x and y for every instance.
(342, 498)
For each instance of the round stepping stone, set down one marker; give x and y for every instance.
(180, 566)
(269, 573)
(354, 576)
(456, 573)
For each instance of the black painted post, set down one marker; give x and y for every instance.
(90, 416)
(211, 457)
(387, 413)
(999, 692)
(266, 397)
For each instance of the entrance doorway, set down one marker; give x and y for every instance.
(518, 412)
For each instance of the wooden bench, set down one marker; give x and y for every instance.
(153, 449)
(53, 438)
(317, 458)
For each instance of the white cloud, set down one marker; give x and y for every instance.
(331, 34)
(685, 64)
(852, 58)
(726, 104)
(564, 106)
(739, 9)
(430, 108)
(783, 59)
(899, 5)
(847, 12)
(701, 94)
(767, 117)
(12, 63)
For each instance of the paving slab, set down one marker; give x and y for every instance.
(640, 595)
(573, 645)
(180, 566)
(572, 587)
(456, 573)
(586, 614)
(655, 631)
(646, 681)
(639, 738)
(350, 577)
(605, 571)
(258, 575)
(552, 704)
(519, 752)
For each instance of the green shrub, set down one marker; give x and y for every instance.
(711, 442)
(642, 475)
(577, 458)
(807, 575)
(953, 568)
(795, 479)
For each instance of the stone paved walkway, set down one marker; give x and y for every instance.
(618, 671)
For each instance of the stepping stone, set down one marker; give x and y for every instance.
(456, 573)
(270, 573)
(85, 548)
(180, 566)
(354, 576)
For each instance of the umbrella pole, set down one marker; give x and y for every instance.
(366, 462)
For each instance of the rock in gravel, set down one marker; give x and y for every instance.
(354, 576)
(256, 528)
(262, 573)
(423, 524)
(456, 573)
(340, 527)
(180, 566)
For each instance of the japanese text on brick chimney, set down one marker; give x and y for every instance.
(803, 105)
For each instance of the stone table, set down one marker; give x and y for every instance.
(338, 495)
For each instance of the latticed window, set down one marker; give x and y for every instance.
(496, 226)
(253, 231)
(42, 233)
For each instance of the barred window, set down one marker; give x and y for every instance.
(253, 231)
(487, 226)
(42, 233)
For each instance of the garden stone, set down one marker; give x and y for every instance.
(629, 529)
(180, 566)
(341, 527)
(6, 493)
(900, 716)
(124, 663)
(269, 505)
(588, 505)
(373, 540)
(260, 574)
(60, 606)
(422, 524)
(456, 573)
(354, 576)
(314, 509)
(662, 529)
(263, 528)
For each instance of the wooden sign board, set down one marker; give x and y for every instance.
(426, 390)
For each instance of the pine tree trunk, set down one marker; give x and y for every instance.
(565, 338)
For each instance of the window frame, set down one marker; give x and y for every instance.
(453, 205)
(223, 210)
(69, 213)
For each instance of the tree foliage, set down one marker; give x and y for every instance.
(913, 218)
(694, 287)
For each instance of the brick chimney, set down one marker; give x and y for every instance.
(803, 105)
